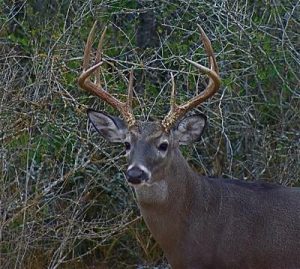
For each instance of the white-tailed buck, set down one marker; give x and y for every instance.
(200, 222)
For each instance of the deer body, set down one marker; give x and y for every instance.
(200, 222)
(222, 224)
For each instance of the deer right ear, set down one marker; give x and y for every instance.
(189, 129)
(111, 128)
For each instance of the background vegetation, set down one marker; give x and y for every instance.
(64, 202)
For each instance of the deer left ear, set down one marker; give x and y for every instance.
(189, 129)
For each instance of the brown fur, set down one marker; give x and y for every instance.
(204, 223)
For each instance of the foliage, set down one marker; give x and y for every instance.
(64, 202)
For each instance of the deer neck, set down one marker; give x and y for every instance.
(165, 203)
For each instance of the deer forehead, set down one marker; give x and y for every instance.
(148, 131)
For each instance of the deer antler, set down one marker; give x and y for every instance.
(178, 111)
(125, 108)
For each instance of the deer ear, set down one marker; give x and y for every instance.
(189, 129)
(111, 128)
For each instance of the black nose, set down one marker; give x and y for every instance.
(135, 175)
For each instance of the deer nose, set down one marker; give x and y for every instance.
(136, 175)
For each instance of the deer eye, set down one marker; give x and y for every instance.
(163, 146)
(127, 146)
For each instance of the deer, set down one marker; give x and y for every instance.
(200, 222)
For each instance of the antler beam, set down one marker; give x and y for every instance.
(178, 111)
(125, 108)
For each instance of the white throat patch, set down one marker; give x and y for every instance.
(156, 192)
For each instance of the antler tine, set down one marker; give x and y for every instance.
(88, 47)
(130, 90)
(173, 95)
(176, 111)
(128, 105)
(99, 55)
(125, 108)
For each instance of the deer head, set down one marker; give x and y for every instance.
(149, 145)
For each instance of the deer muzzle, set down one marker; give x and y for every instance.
(137, 174)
